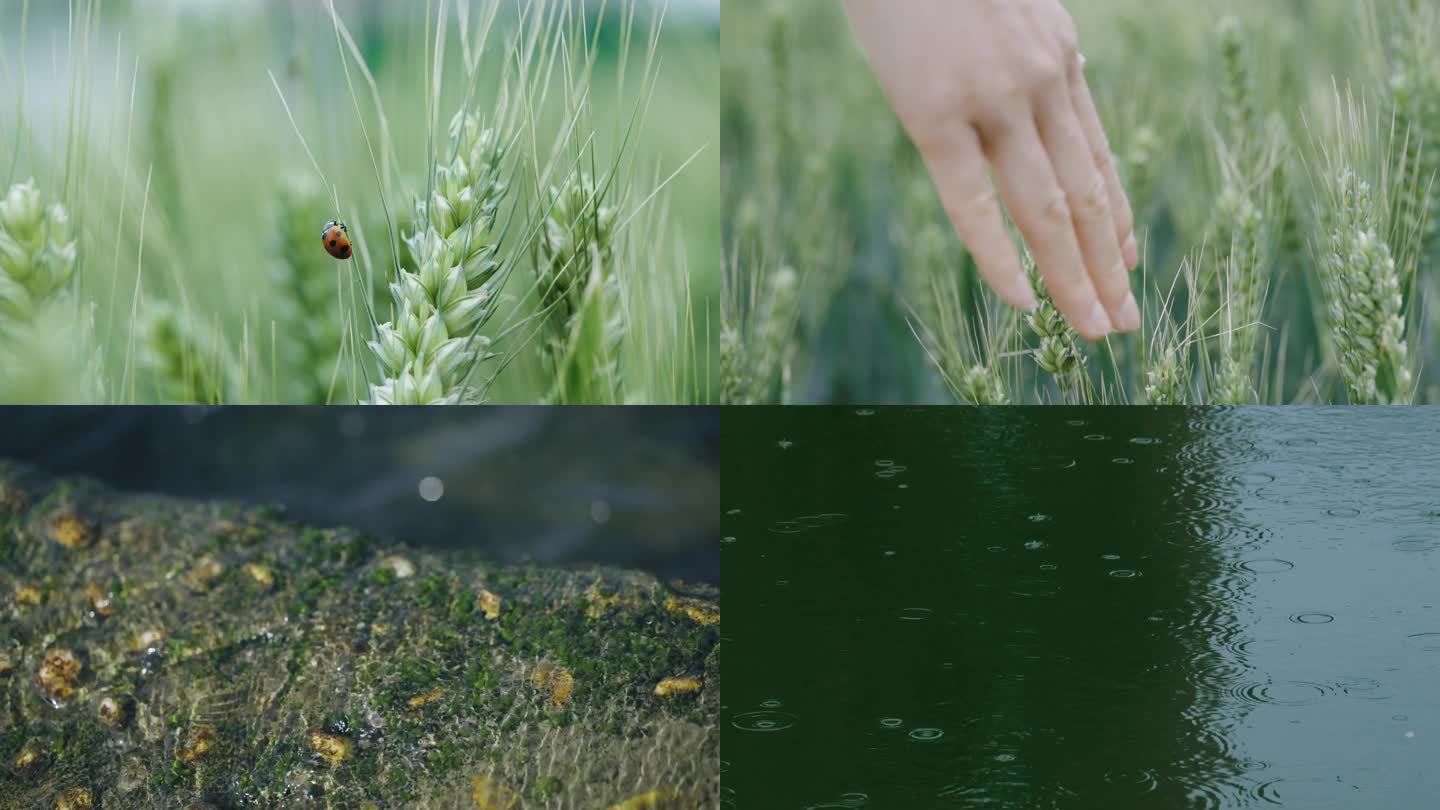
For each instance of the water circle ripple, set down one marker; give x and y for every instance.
(926, 734)
(763, 721)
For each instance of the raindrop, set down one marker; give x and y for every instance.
(1004, 757)
(995, 549)
(1034, 545)
(1122, 461)
(865, 412)
(763, 721)
(915, 614)
(728, 539)
(1144, 440)
(772, 703)
(926, 734)
(1265, 566)
(1075, 422)
(1109, 556)
(1048, 566)
(884, 462)
(1039, 518)
(1253, 478)
(1312, 618)
(1416, 544)
(1429, 642)
(1095, 437)
(891, 722)
(1124, 573)
(1342, 512)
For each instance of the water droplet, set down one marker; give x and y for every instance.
(1034, 545)
(926, 734)
(1265, 566)
(1342, 512)
(1039, 518)
(1109, 556)
(729, 538)
(884, 462)
(891, 722)
(763, 721)
(1312, 618)
(1416, 544)
(1075, 422)
(1048, 566)
(865, 412)
(1095, 437)
(1004, 757)
(1122, 461)
(915, 614)
(1144, 440)
(784, 444)
(772, 703)
(1124, 573)
(994, 549)
(1429, 642)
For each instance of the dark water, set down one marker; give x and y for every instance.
(1109, 608)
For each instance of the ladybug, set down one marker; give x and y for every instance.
(336, 238)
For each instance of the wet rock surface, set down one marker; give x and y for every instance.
(178, 653)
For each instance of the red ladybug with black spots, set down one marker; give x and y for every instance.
(336, 238)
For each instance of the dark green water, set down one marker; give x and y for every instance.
(1109, 608)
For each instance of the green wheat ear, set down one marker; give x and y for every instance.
(429, 351)
(581, 295)
(37, 252)
(1059, 353)
(1363, 296)
(180, 362)
(48, 349)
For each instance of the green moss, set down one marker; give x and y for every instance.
(339, 645)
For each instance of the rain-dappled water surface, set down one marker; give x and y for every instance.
(1081, 608)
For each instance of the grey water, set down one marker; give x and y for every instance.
(1074, 608)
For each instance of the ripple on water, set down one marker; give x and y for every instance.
(891, 722)
(1124, 573)
(1253, 479)
(1342, 511)
(1122, 461)
(915, 614)
(1143, 780)
(1312, 618)
(1095, 437)
(765, 721)
(1429, 642)
(1280, 693)
(1264, 566)
(1416, 544)
(926, 734)
(1144, 440)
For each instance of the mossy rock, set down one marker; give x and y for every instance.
(230, 658)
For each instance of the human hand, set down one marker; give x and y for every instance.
(1000, 81)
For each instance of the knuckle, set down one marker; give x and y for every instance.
(1055, 210)
(1094, 201)
(1101, 155)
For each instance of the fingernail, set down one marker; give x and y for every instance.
(1131, 253)
(1129, 315)
(1097, 323)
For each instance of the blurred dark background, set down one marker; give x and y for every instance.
(632, 486)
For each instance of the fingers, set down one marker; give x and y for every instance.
(958, 167)
(1089, 201)
(1041, 209)
(1084, 105)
